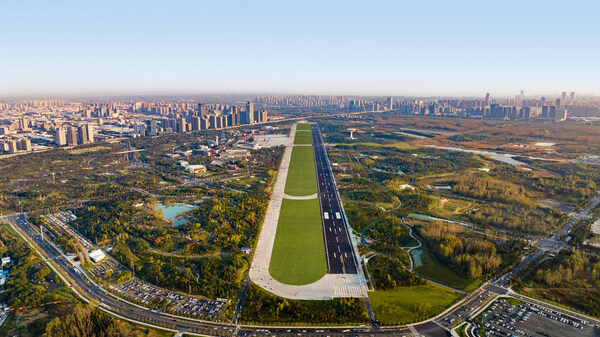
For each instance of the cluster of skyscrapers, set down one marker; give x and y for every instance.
(516, 108)
(71, 135)
(204, 117)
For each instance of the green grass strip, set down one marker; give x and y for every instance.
(299, 250)
(301, 178)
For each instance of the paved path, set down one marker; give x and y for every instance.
(305, 197)
(329, 286)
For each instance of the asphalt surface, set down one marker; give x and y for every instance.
(338, 246)
(93, 292)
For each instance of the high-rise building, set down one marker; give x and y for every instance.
(202, 109)
(561, 115)
(390, 102)
(90, 132)
(195, 123)
(181, 125)
(263, 116)
(564, 96)
(61, 137)
(71, 135)
(83, 135)
(25, 144)
(572, 96)
(12, 146)
(151, 128)
(24, 124)
(486, 102)
(250, 113)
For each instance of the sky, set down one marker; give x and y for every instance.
(370, 47)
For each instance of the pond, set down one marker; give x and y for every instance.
(172, 212)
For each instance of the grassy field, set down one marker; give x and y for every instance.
(303, 138)
(364, 144)
(303, 126)
(301, 179)
(299, 251)
(453, 205)
(410, 304)
(437, 271)
(401, 146)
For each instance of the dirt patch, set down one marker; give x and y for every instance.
(557, 205)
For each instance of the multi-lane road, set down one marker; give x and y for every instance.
(338, 245)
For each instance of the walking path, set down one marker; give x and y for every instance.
(329, 286)
(305, 197)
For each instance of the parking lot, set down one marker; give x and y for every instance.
(101, 268)
(505, 319)
(60, 223)
(179, 304)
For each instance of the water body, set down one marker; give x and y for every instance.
(172, 212)
(503, 157)
(406, 133)
(416, 255)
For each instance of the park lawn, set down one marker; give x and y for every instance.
(453, 205)
(299, 250)
(301, 178)
(435, 270)
(303, 138)
(303, 126)
(411, 304)
(401, 146)
(363, 144)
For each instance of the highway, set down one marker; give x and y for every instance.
(338, 245)
(89, 290)
(92, 291)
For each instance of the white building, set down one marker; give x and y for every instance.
(6, 261)
(195, 168)
(97, 255)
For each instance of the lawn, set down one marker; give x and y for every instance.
(299, 250)
(410, 304)
(453, 205)
(303, 126)
(363, 144)
(303, 138)
(301, 178)
(401, 146)
(437, 271)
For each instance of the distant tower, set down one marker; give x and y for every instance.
(249, 112)
(487, 99)
(390, 103)
(202, 109)
(71, 135)
(90, 132)
(522, 94)
(572, 96)
(61, 137)
(564, 96)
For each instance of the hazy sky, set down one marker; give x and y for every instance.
(316, 47)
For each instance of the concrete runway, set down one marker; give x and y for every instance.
(345, 280)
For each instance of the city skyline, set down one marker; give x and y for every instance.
(336, 48)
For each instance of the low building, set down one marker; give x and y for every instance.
(6, 261)
(183, 163)
(195, 168)
(97, 255)
(246, 250)
(3, 276)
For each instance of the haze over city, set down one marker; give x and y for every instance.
(410, 48)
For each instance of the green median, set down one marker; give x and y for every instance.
(298, 252)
